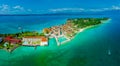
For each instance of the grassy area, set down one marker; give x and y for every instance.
(85, 22)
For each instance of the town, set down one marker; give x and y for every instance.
(61, 33)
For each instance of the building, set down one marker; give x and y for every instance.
(44, 41)
(35, 41)
(12, 40)
(56, 30)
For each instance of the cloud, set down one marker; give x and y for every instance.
(29, 10)
(6, 9)
(84, 10)
(66, 9)
(116, 7)
(99, 10)
(18, 7)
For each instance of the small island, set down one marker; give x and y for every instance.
(62, 33)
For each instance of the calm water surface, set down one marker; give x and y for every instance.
(89, 48)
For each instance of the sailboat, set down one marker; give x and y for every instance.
(109, 52)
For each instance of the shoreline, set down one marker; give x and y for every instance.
(69, 30)
(81, 30)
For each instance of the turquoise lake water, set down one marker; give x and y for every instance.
(61, 39)
(88, 48)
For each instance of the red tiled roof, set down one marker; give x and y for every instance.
(34, 37)
(15, 41)
(44, 40)
(12, 40)
(8, 37)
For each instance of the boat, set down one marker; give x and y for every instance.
(109, 52)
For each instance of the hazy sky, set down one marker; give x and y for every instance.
(46, 6)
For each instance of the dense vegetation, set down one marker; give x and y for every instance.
(23, 34)
(84, 22)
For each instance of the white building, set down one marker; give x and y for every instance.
(35, 41)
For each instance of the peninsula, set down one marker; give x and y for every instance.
(62, 33)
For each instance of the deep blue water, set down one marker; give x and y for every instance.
(89, 48)
(10, 24)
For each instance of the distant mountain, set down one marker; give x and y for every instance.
(87, 13)
(109, 12)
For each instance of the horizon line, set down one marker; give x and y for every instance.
(48, 14)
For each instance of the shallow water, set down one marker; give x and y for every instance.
(88, 48)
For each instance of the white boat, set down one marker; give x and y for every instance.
(109, 52)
